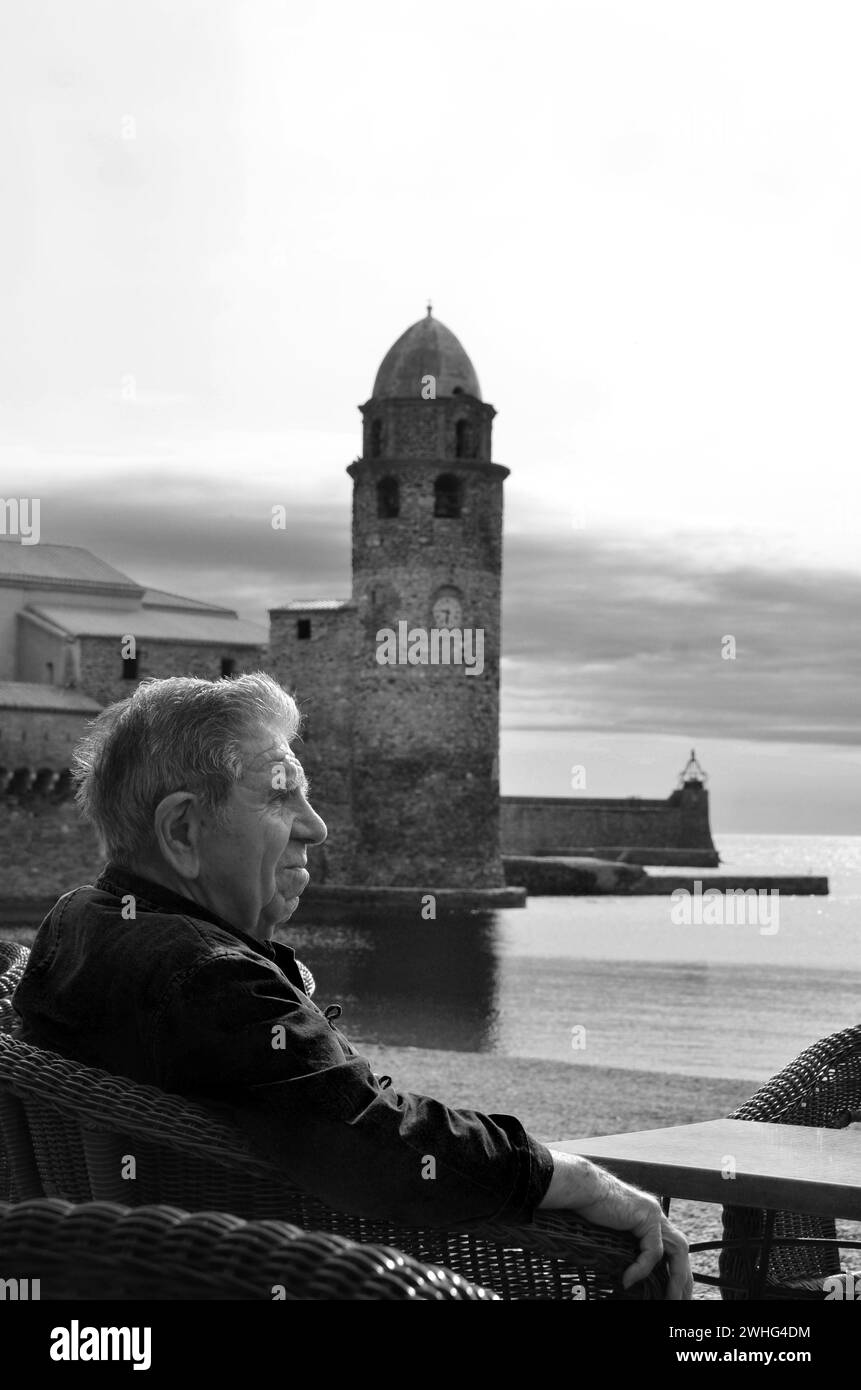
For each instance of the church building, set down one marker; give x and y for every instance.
(400, 683)
(77, 634)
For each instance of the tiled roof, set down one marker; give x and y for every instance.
(59, 565)
(153, 624)
(30, 695)
(314, 605)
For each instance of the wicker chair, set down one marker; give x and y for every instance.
(821, 1088)
(13, 960)
(101, 1250)
(72, 1131)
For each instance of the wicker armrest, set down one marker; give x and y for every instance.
(596, 1256)
(83, 1121)
(819, 1088)
(100, 1250)
(13, 962)
(98, 1100)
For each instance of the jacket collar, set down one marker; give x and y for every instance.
(119, 881)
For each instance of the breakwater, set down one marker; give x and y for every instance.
(808, 885)
(572, 876)
(639, 830)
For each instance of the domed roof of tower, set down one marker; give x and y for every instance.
(428, 348)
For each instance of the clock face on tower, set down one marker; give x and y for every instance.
(447, 609)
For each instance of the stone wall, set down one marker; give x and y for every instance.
(549, 877)
(40, 738)
(403, 759)
(423, 547)
(318, 672)
(410, 429)
(45, 848)
(609, 826)
(102, 666)
(426, 737)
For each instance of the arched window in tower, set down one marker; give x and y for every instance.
(446, 496)
(376, 438)
(464, 440)
(388, 497)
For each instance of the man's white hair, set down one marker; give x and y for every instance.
(179, 734)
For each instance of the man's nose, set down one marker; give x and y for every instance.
(309, 826)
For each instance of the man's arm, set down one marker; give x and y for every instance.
(598, 1196)
(232, 1027)
(236, 1025)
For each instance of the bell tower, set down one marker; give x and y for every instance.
(427, 570)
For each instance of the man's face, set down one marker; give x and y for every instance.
(252, 863)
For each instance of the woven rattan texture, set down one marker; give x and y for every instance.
(13, 959)
(103, 1250)
(85, 1123)
(818, 1089)
(80, 1125)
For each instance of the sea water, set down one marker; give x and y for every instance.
(608, 981)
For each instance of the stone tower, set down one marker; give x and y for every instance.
(402, 753)
(427, 554)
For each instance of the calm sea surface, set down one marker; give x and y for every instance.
(703, 1000)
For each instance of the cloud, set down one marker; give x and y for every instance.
(606, 629)
(601, 629)
(210, 541)
(606, 632)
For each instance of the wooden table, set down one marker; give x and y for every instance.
(775, 1167)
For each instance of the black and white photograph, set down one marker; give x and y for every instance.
(430, 682)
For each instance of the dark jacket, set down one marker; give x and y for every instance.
(179, 998)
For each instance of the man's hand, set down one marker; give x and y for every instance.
(597, 1196)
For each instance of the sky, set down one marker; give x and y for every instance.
(644, 224)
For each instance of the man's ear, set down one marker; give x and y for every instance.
(177, 824)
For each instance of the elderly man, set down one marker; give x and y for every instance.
(166, 971)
